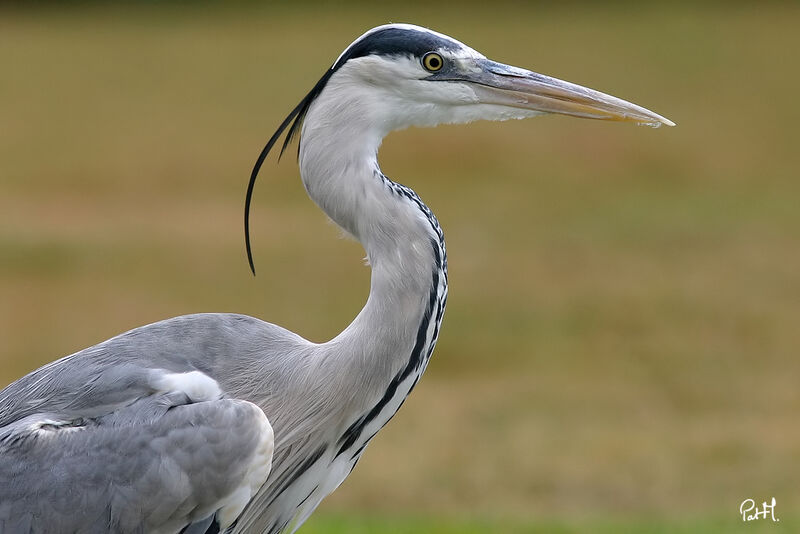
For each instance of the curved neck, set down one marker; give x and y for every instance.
(402, 239)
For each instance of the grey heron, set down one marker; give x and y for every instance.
(225, 423)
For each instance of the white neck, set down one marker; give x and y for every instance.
(404, 246)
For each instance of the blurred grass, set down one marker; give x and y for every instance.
(405, 525)
(621, 338)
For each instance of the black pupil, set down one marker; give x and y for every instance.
(433, 62)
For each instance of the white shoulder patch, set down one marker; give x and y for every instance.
(196, 385)
(47, 427)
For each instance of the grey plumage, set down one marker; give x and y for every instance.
(164, 428)
(94, 442)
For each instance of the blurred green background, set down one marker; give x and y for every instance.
(620, 352)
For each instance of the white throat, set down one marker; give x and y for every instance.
(341, 135)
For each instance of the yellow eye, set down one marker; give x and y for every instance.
(432, 61)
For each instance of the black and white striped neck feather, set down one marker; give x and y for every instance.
(388, 345)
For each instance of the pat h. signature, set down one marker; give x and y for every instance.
(750, 512)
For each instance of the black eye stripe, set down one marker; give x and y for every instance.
(397, 41)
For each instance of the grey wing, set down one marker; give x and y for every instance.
(178, 456)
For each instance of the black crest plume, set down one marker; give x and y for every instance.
(296, 119)
(388, 41)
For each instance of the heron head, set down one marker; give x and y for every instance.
(401, 75)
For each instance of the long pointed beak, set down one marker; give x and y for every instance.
(496, 83)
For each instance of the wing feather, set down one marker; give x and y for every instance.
(157, 464)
